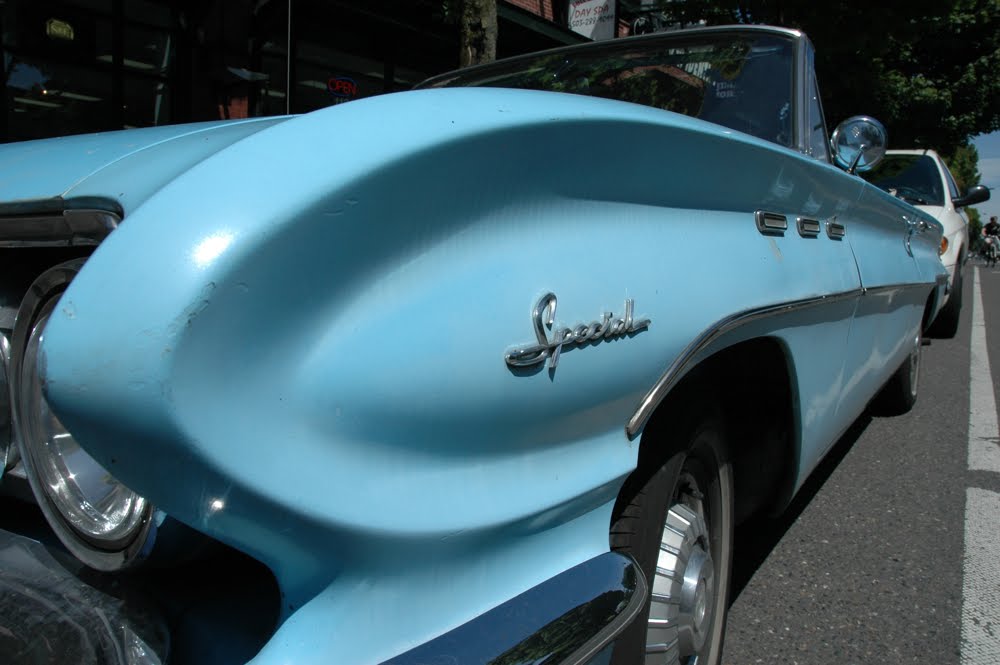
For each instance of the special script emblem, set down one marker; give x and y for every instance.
(543, 317)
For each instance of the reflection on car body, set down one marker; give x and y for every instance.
(326, 390)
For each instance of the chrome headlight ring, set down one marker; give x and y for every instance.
(100, 521)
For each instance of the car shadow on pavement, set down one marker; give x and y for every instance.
(755, 539)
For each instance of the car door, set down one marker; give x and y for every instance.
(887, 237)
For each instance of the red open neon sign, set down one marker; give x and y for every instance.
(342, 86)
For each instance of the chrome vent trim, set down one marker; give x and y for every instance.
(66, 228)
(808, 228)
(835, 230)
(770, 222)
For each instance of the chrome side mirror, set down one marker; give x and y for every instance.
(858, 143)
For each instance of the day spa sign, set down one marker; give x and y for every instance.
(593, 18)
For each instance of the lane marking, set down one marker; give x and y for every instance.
(980, 579)
(980, 567)
(984, 439)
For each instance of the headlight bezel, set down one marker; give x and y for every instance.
(70, 502)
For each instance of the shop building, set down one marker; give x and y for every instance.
(94, 65)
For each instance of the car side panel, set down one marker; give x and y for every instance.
(310, 365)
(895, 246)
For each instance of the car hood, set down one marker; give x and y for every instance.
(120, 169)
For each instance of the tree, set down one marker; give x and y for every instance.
(477, 30)
(963, 163)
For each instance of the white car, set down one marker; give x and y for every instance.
(921, 178)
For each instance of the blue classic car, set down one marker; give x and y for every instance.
(482, 372)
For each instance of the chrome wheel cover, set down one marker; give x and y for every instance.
(914, 363)
(683, 593)
(6, 420)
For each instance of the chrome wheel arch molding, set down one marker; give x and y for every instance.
(717, 337)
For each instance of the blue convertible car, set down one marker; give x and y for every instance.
(482, 372)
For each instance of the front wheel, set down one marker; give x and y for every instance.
(945, 324)
(676, 519)
(900, 393)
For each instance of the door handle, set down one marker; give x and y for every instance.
(918, 225)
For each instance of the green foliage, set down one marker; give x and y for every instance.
(963, 162)
(926, 69)
(975, 227)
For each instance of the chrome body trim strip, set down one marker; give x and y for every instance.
(800, 94)
(677, 368)
(681, 364)
(893, 288)
(66, 228)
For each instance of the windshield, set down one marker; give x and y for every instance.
(913, 178)
(743, 82)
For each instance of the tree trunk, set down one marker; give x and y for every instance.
(477, 32)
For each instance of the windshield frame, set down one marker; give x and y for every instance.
(802, 83)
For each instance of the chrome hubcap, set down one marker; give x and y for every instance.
(681, 609)
(915, 366)
(696, 600)
(5, 413)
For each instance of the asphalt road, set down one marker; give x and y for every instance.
(867, 564)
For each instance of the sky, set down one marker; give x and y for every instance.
(988, 146)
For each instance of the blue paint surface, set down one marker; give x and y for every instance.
(301, 354)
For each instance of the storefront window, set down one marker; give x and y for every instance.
(146, 50)
(146, 102)
(272, 91)
(325, 77)
(48, 99)
(74, 66)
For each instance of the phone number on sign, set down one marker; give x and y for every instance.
(590, 20)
